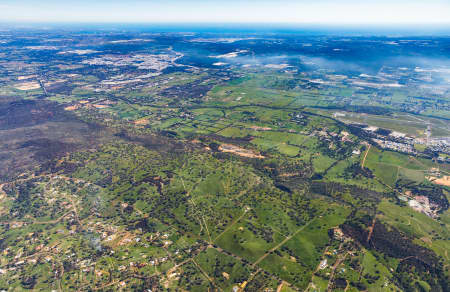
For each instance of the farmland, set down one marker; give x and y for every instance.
(138, 163)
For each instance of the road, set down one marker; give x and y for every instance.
(232, 224)
(365, 156)
(282, 242)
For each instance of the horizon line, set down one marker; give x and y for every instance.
(370, 24)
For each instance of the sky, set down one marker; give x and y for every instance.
(372, 12)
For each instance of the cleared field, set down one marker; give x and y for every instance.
(28, 85)
(390, 166)
(322, 162)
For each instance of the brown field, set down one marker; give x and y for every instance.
(72, 107)
(141, 122)
(444, 181)
(26, 77)
(228, 148)
(256, 128)
(28, 85)
(101, 106)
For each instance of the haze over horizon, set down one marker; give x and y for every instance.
(400, 12)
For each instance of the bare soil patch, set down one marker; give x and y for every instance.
(229, 148)
(444, 181)
(28, 85)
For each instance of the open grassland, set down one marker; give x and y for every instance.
(390, 166)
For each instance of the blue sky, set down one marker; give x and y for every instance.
(233, 11)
